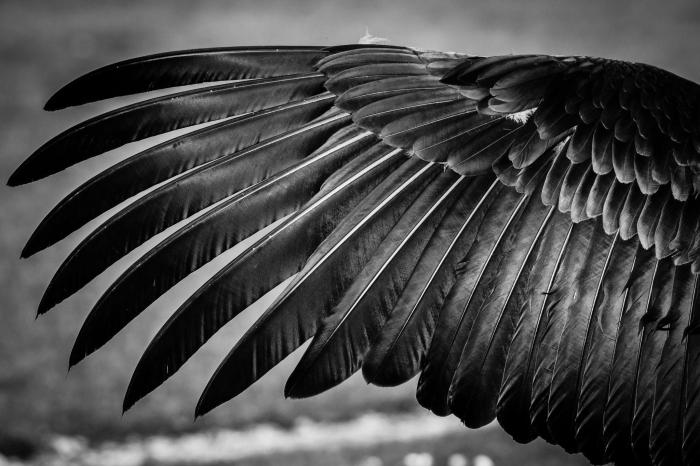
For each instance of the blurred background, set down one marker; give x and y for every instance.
(49, 417)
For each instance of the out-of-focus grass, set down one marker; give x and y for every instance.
(493, 443)
(496, 445)
(44, 44)
(370, 440)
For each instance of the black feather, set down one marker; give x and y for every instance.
(163, 161)
(213, 233)
(180, 198)
(457, 316)
(619, 406)
(297, 311)
(513, 408)
(185, 67)
(601, 335)
(159, 115)
(578, 304)
(649, 357)
(691, 382)
(399, 352)
(667, 413)
(344, 336)
(265, 264)
(474, 389)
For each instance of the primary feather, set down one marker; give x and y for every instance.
(521, 231)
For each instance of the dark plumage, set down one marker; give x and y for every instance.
(521, 231)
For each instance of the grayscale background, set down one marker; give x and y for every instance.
(48, 417)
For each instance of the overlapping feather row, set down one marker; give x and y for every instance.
(535, 267)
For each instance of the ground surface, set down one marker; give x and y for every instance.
(44, 44)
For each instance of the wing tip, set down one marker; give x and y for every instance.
(34, 244)
(20, 176)
(214, 394)
(378, 375)
(81, 90)
(296, 389)
(44, 306)
(126, 406)
(76, 92)
(289, 390)
(78, 353)
(35, 167)
(301, 385)
(26, 252)
(305, 382)
(59, 100)
(12, 181)
(205, 404)
(47, 301)
(133, 393)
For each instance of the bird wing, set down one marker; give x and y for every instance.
(521, 231)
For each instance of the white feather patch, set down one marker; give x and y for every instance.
(370, 39)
